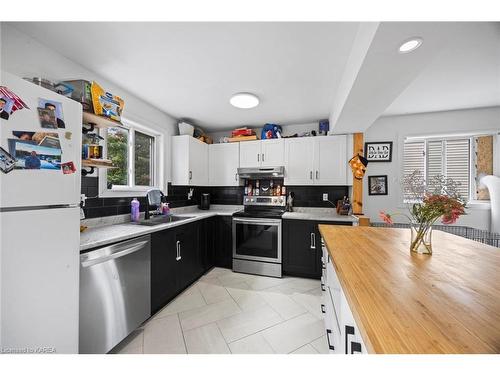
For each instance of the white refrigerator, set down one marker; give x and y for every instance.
(39, 218)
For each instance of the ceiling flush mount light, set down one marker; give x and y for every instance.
(410, 45)
(244, 100)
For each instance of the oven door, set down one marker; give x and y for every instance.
(257, 239)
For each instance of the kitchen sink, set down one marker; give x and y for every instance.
(157, 220)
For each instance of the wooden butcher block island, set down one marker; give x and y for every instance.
(412, 303)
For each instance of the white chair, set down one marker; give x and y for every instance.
(493, 185)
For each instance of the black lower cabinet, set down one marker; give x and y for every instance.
(302, 247)
(224, 242)
(207, 242)
(179, 256)
(164, 267)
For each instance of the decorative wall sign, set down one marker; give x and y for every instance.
(378, 151)
(377, 185)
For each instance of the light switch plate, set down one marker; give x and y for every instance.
(325, 196)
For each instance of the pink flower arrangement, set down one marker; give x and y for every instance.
(437, 198)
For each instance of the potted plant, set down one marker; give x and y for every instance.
(427, 202)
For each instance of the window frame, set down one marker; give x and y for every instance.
(157, 169)
(472, 201)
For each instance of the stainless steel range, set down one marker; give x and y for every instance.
(257, 236)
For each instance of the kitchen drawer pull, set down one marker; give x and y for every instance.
(313, 240)
(330, 346)
(190, 175)
(323, 287)
(323, 309)
(355, 347)
(311, 175)
(236, 176)
(317, 175)
(258, 157)
(349, 330)
(178, 247)
(262, 157)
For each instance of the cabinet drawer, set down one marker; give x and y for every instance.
(352, 341)
(332, 327)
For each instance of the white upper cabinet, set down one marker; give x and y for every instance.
(223, 163)
(264, 153)
(250, 154)
(316, 160)
(189, 161)
(299, 159)
(330, 156)
(272, 152)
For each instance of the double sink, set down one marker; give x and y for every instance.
(161, 219)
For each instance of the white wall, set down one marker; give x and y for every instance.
(27, 57)
(396, 128)
(287, 130)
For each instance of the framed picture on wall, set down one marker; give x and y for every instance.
(378, 151)
(377, 185)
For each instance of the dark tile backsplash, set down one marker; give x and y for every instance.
(312, 196)
(305, 196)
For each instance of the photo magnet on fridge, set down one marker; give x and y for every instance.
(40, 138)
(7, 161)
(56, 107)
(9, 103)
(68, 168)
(47, 118)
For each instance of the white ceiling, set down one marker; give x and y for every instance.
(465, 75)
(190, 70)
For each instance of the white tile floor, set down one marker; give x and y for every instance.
(226, 312)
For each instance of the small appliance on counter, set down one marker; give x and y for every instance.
(205, 201)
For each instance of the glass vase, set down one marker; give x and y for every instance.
(421, 238)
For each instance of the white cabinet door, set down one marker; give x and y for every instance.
(273, 152)
(330, 160)
(250, 154)
(299, 161)
(223, 159)
(180, 160)
(198, 161)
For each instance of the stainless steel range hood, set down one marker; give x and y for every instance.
(264, 172)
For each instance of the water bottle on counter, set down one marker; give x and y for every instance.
(135, 210)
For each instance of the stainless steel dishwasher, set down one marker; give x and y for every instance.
(115, 293)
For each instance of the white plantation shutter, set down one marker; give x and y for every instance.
(435, 159)
(413, 159)
(457, 163)
(448, 157)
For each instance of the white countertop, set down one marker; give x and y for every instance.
(318, 214)
(106, 230)
(100, 235)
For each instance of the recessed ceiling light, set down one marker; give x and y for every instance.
(410, 45)
(244, 100)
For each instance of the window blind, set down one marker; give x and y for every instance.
(457, 165)
(413, 159)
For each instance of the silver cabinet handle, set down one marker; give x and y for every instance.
(236, 176)
(190, 175)
(178, 246)
(317, 175)
(262, 157)
(313, 241)
(311, 175)
(258, 157)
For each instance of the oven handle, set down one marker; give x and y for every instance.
(257, 221)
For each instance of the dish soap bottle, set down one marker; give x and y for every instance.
(135, 210)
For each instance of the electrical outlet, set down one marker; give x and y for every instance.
(325, 196)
